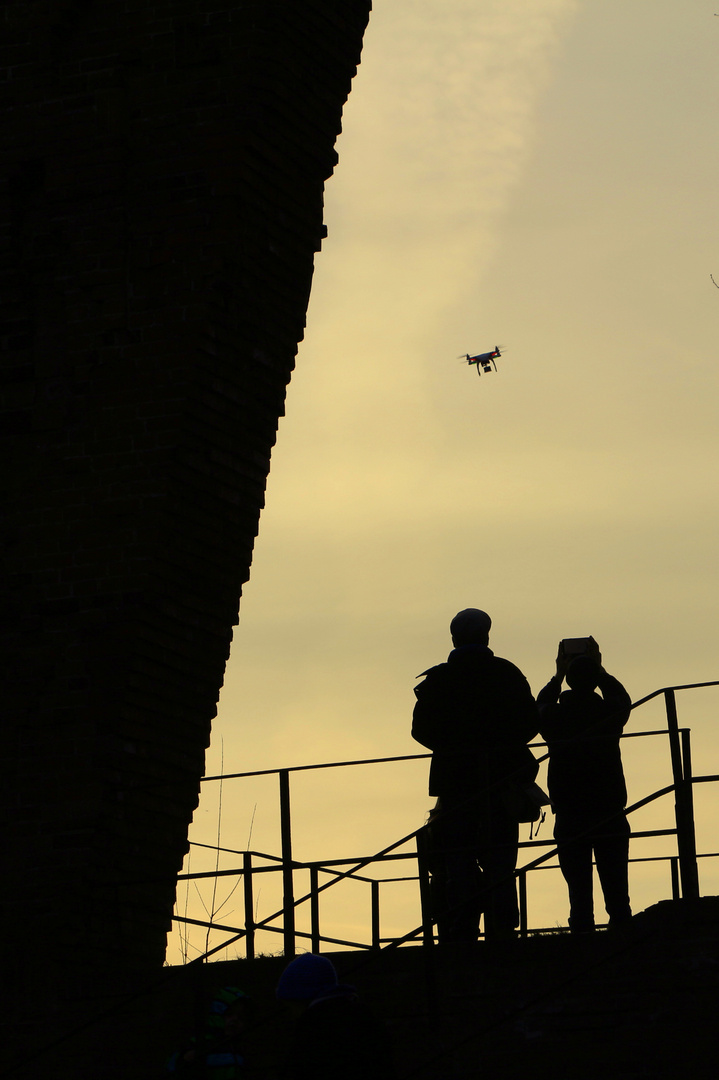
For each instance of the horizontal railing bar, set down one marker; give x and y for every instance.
(325, 866)
(331, 940)
(645, 858)
(385, 858)
(272, 929)
(643, 833)
(304, 934)
(420, 757)
(417, 757)
(549, 930)
(335, 941)
(321, 765)
(685, 686)
(238, 871)
(345, 862)
(213, 847)
(388, 880)
(633, 836)
(212, 926)
(234, 851)
(641, 734)
(649, 798)
(663, 858)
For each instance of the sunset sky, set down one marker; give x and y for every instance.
(543, 175)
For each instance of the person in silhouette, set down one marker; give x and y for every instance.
(586, 785)
(476, 714)
(219, 1051)
(334, 1033)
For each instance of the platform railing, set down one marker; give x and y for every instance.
(683, 865)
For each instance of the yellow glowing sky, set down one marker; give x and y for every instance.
(540, 174)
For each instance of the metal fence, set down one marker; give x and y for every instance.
(683, 872)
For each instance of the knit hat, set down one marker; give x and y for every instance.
(470, 627)
(307, 976)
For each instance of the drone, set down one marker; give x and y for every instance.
(484, 360)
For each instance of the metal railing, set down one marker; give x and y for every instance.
(683, 865)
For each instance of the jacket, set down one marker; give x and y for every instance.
(476, 714)
(582, 731)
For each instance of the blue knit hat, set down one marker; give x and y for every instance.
(307, 977)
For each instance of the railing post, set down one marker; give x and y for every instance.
(288, 892)
(522, 875)
(674, 870)
(683, 803)
(374, 887)
(688, 800)
(249, 905)
(315, 909)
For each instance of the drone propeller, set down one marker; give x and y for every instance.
(498, 348)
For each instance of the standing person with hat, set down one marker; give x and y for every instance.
(476, 714)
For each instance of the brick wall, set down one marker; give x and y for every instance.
(162, 182)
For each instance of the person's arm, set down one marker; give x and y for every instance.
(616, 697)
(513, 702)
(529, 712)
(549, 694)
(547, 700)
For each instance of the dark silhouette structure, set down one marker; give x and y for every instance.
(477, 714)
(586, 784)
(162, 193)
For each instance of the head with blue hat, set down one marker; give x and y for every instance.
(307, 977)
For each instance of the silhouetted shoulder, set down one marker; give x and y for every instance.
(432, 672)
(510, 669)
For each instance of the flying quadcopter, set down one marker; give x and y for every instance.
(484, 360)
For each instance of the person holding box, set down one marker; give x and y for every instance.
(586, 782)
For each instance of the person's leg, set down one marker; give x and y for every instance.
(497, 856)
(436, 864)
(575, 861)
(456, 830)
(611, 848)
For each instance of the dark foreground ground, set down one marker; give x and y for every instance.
(641, 1003)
